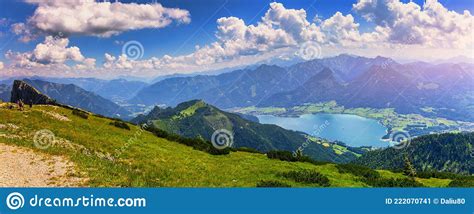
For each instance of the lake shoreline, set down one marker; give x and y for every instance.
(347, 128)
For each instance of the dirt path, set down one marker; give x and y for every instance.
(24, 167)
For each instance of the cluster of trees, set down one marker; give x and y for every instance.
(358, 170)
(447, 152)
(80, 113)
(197, 143)
(292, 157)
(373, 178)
(272, 183)
(464, 181)
(393, 182)
(120, 124)
(307, 177)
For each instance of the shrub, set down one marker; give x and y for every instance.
(282, 155)
(390, 182)
(440, 175)
(308, 177)
(288, 156)
(249, 150)
(80, 113)
(120, 124)
(196, 143)
(358, 170)
(466, 181)
(373, 178)
(272, 184)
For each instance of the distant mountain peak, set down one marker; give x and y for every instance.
(324, 74)
(70, 94)
(195, 102)
(346, 55)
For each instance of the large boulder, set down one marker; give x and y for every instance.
(28, 94)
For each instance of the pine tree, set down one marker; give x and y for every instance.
(409, 170)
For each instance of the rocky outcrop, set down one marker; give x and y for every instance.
(28, 94)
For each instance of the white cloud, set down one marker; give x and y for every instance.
(278, 34)
(432, 25)
(279, 28)
(52, 51)
(102, 19)
(340, 28)
(1, 65)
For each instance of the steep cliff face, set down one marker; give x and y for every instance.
(22, 91)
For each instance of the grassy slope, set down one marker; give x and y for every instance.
(137, 158)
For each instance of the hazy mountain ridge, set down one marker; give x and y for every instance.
(73, 95)
(115, 90)
(319, 88)
(356, 82)
(5, 92)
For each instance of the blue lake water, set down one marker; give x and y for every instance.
(350, 129)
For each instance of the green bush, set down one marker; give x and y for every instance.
(465, 181)
(290, 157)
(358, 170)
(440, 175)
(390, 182)
(272, 184)
(120, 124)
(282, 155)
(308, 177)
(373, 178)
(80, 113)
(246, 149)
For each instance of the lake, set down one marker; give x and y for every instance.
(353, 130)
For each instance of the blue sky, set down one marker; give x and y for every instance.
(179, 39)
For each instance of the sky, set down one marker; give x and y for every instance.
(149, 38)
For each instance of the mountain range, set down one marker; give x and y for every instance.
(73, 95)
(352, 81)
(117, 90)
